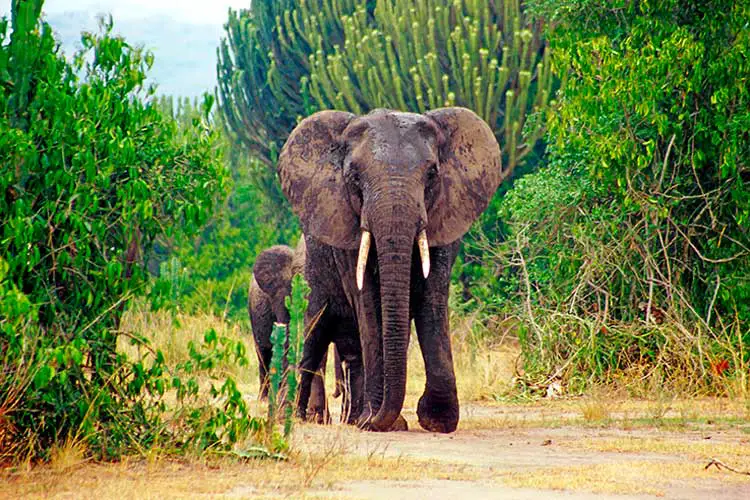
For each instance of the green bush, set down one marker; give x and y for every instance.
(632, 248)
(92, 174)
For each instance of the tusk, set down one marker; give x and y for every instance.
(424, 253)
(364, 249)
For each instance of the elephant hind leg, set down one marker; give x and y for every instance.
(339, 372)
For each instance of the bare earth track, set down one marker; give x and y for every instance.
(528, 452)
(543, 450)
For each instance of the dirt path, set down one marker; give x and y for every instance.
(569, 449)
(529, 452)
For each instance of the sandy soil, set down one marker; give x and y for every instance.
(548, 451)
(544, 450)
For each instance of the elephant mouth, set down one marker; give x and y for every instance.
(364, 250)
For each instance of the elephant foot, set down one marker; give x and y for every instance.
(318, 415)
(400, 425)
(337, 391)
(365, 419)
(437, 416)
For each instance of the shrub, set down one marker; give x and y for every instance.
(631, 249)
(93, 173)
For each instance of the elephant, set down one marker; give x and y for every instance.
(384, 200)
(270, 284)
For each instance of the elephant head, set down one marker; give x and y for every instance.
(273, 272)
(396, 179)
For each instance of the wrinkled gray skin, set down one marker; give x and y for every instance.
(393, 175)
(270, 285)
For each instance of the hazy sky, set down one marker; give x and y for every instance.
(182, 34)
(193, 11)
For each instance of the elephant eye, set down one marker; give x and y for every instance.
(352, 174)
(432, 171)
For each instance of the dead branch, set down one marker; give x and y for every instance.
(721, 465)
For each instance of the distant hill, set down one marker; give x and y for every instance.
(184, 53)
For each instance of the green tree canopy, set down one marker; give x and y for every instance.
(283, 60)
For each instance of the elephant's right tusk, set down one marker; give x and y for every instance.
(364, 249)
(424, 253)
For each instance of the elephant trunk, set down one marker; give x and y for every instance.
(394, 250)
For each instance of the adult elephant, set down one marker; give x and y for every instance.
(270, 285)
(384, 200)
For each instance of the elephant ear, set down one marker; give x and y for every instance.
(470, 172)
(311, 173)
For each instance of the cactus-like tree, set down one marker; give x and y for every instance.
(283, 60)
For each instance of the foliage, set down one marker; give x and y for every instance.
(424, 55)
(259, 79)
(209, 271)
(282, 61)
(632, 248)
(259, 114)
(95, 173)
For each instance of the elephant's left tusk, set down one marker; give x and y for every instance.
(424, 253)
(364, 249)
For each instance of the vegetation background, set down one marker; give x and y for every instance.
(619, 252)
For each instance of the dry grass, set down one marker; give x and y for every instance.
(69, 454)
(172, 334)
(608, 409)
(161, 478)
(627, 477)
(698, 450)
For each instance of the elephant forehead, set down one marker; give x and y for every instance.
(399, 139)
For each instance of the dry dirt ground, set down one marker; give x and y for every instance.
(563, 449)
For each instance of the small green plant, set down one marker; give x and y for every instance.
(287, 343)
(297, 305)
(276, 371)
(216, 427)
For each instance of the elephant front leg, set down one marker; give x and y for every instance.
(311, 387)
(368, 319)
(438, 407)
(317, 408)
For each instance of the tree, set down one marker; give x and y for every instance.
(282, 62)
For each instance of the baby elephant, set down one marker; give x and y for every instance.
(270, 285)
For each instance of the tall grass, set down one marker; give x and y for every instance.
(173, 332)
